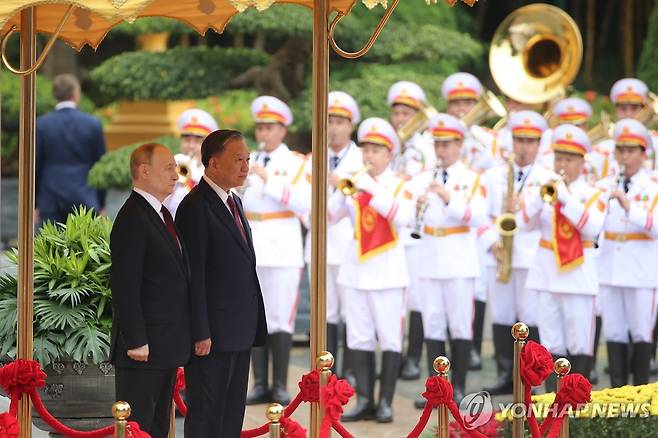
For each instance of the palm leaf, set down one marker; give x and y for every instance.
(53, 315)
(88, 342)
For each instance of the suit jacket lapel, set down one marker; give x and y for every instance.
(159, 225)
(246, 226)
(222, 212)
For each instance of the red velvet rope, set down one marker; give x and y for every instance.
(536, 366)
(25, 377)
(439, 392)
(574, 390)
(335, 395)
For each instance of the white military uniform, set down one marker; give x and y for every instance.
(511, 302)
(416, 156)
(273, 209)
(339, 234)
(375, 282)
(629, 252)
(566, 293)
(198, 123)
(450, 261)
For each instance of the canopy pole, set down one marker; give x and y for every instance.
(319, 203)
(26, 156)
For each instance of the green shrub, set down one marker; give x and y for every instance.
(112, 171)
(647, 68)
(178, 73)
(72, 297)
(153, 25)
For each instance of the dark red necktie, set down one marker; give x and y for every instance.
(236, 216)
(169, 222)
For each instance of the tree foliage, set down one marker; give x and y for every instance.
(647, 69)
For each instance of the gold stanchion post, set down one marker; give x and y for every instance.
(562, 367)
(26, 155)
(319, 190)
(172, 421)
(120, 412)
(324, 361)
(442, 367)
(520, 333)
(274, 414)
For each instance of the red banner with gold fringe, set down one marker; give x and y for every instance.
(567, 244)
(374, 233)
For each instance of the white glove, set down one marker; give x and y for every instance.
(366, 183)
(563, 194)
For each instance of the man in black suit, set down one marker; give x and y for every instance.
(68, 143)
(228, 315)
(151, 330)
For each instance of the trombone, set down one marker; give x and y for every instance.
(548, 191)
(347, 186)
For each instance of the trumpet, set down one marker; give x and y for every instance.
(347, 186)
(415, 234)
(183, 168)
(548, 191)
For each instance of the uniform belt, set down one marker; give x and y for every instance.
(252, 216)
(622, 237)
(442, 232)
(549, 245)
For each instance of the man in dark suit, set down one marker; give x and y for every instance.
(151, 334)
(228, 315)
(68, 143)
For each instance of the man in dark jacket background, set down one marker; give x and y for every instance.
(68, 143)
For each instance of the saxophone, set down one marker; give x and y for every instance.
(507, 228)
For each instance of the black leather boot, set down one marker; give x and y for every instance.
(504, 351)
(593, 375)
(281, 343)
(618, 364)
(581, 364)
(260, 393)
(460, 350)
(332, 343)
(434, 349)
(410, 369)
(475, 359)
(348, 372)
(640, 364)
(653, 368)
(387, 380)
(364, 371)
(551, 382)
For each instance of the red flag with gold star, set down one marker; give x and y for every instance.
(374, 233)
(567, 244)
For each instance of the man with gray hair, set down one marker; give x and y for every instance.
(68, 143)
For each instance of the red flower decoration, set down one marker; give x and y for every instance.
(335, 395)
(180, 380)
(22, 376)
(310, 387)
(8, 426)
(133, 431)
(536, 364)
(575, 390)
(292, 429)
(438, 391)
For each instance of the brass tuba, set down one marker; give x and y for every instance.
(649, 111)
(418, 123)
(507, 228)
(488, 106)
(535, 53)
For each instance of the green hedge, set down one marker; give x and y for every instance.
(112, 171)
(178, 73)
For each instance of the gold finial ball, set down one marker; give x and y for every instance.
(562, 366)
(520, 331)
(121, 410)
(441, 365)
(274, 412)
(325, 360)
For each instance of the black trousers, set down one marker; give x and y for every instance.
(216, 390)
(149, 393)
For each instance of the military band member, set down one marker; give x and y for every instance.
(450, 202)
(629, 257)
(573, 110)
(374, 272)
(564, 270)
(344, 160)
(509, 300)
(462, 91)
(629, 95)
(194, 125)
(275, 197)
(405, 100)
